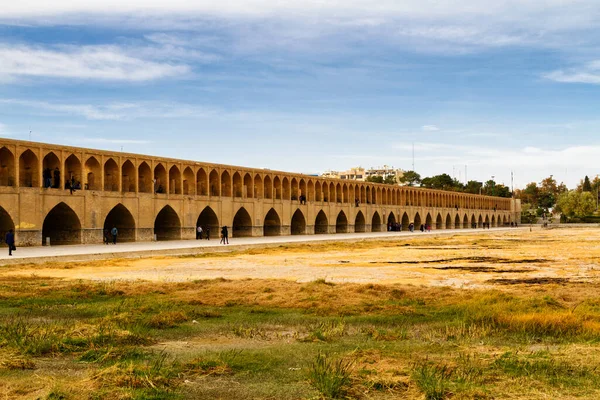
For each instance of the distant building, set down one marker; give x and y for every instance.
(361, 174)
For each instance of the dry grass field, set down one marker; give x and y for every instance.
(482, 316)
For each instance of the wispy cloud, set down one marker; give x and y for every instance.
(587, 73)
(429, 128)
(82, 62)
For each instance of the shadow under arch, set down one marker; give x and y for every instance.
(209, 222)
(359, 222)
(321, 223)
(121, 218)
(298, 223)
(376, 222)
(62, 226)
(242, 224)
(167, 225)
(341, 223)
(272, 224)
(6, 224)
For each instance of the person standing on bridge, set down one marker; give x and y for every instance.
(224, 235)
(10, 241)
(198, 232)
(114, 232)
(208, 233)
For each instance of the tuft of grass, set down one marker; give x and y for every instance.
(167, 319)
(433, 380)
(326, 331)
(330, 377)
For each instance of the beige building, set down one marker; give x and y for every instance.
(361, 174)
(148, 197)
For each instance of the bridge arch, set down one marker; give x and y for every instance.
(341, 223)
(127, 178)
(448, 224)
(428, 220)
(6, 224)
(121, 218)
(298, 226)
(167, 225)
(145, 178)
(268, 187)
(208, 220)
(359, 222)
(285, 188)
(405, 221)
(439, 222)
(201, 183)
(376, 222)
(72, 169)
(457, 224)
(189, 182)
(174, 180)
(417, 221)
(62, 226)
(277, 188)
(480, 221)
(473, 221)
(321, 223)
(215, 183)
(225, 184)
(93, 177)
(242, 224)
(160, 179)
(487, 220)
(256, 187)
(7, 172)
(111, 176)
(493, 221)
(391, 221)
(52, 163)
(272, 224)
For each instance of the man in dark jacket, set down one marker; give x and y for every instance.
(10, 241)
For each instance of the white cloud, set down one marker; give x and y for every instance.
(587, 73)
(430, 128)
(86, 62)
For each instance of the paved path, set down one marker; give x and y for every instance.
(39, 254)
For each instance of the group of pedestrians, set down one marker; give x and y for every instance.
(200, 232)
(422, 228)
(48, 176)
(110, 236)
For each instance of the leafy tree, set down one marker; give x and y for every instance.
(410, 178)
(587, 186)
(390, 180)
(374, 179)
(576, 204)
(473, 187)
(443, 181)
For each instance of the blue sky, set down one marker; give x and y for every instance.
(308, 86)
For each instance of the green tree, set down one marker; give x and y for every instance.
(473, 187)
(576, 204)
(587, 186)
(374, 179)
(443, 182)
(410, 178)
(390, 180)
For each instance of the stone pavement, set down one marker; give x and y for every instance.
(40, 254)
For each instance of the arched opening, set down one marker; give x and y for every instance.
(457, 222)
(92, 174)
(465, 224)
(332, 195)
(189, 185)
(294, 194)
(6, 224)
(356, 194)
(121, 218)
(318, 192)
(202, 183)
(363, 195)
(448, 224)
(405, 221)
(272, 224)
(215, 185)
(62, 226)
(298, 223)
(439, 223)
(160, 179)
(310, 195)
(258, 187)
(487, 220)
(493, 221)
(339, 194)
(248, 186)
(225, 184)
(7, 167)
(167, 225)
(473, 222)
(73, 171)
(145, 178)
(480, 222)
(111, 176)
(321, 223)
(127, 178)
(242, 224)
(325, 192)
(303, 191)
(428, 220)
(359, 222)
(237, 185)
(341, 223)
(51, 169)
(376, 222)
(277, 188)
(268, 187)
(285, 187)
(391, 222)
(346, 196)
(208, 220)
(417, 221)
(174, 180)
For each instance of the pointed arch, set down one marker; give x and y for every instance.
(318, 191)
(257, 187)
(493, 221)
(160, 179)
(28, 169)
(448, 224)
(145, 178)
(189, 183)
(174, 180)
(405, 221)
(277, 188)
(295, 195)
(214, 183)
(202, 182)
(339, 194)
(237, 185)
(6, 224)
(465, 223)
(225, 184)
(120, 218)
(298, 223)
(167, 225)
(473, 221)
(359, 222)
(272, 224)
(376, 222)
(285, 188)
(439, 223)
(242, 224)
(7, 167)
(72, 169)
(268, 187)
(92, 171)
(480, 221)
(208, 220)
(487, 220)
(111, 176)
(325, 192)
(418, 221)
(457, 222)
(321, 223)
(391, 221)
(341, 223)
(310, 191)
(127, 178)
(62, 226)
(303, 191)
(346, 196)
(332, 194)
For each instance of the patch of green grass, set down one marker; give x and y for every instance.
(330, 377)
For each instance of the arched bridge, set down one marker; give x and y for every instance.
(147, 197)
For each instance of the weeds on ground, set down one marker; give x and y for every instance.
(330, 377)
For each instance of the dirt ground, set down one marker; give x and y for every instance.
(465, 261)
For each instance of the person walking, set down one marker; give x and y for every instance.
(207, 233)
(72, 184)
(56, 178)
(114, 232)
(224, 235)
(10, 241)
(106, 235)
(198, 232)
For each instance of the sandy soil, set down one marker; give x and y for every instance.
(477, 260)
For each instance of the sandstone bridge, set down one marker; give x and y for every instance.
(148, 197)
